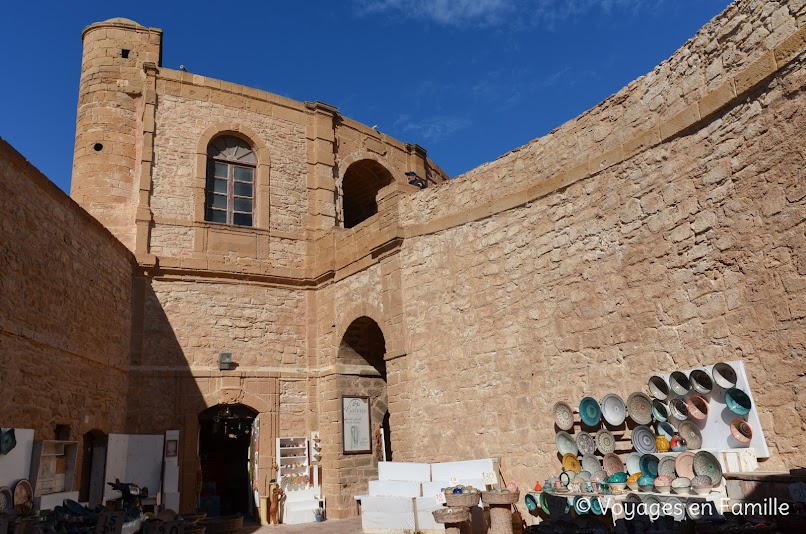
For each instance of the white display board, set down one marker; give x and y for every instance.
(136, 459)
(715, 429)
(16, 465)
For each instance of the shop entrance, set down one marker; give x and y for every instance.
(363, 345)
(225, 450)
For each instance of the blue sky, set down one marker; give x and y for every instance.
(468, 80)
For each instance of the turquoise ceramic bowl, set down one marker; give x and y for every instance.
(531, 502)
(589, 411)
(737, 401)
(646, 480)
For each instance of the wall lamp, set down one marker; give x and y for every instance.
(224, 361)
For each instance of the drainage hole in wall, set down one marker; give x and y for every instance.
(124, 53)
(98, 147)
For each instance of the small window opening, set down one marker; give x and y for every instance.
(62, 432)
(98, 147)
(125, 53)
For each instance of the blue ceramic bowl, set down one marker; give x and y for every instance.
(596, 506)
(649, 466)
(581, 505)
(589, 411)
(646, 480)
(659, 411)
(737, 401)
(531, 502)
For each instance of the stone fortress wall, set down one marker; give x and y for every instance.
(660, 230)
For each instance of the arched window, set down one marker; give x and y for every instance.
(360, 186)
(230, 192)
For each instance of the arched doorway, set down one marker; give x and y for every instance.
(93, 467)
(363, 345)
(362, 181)
(225, 441)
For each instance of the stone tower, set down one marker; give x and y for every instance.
(113, 95)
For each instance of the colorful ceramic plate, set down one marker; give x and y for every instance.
(678, 409)
(741, 430)
(697, 408)
(649, 465)
(591, 463)
(589, 411)
(605, 441)
(724, 375)
(659, 411)
(666, 466)
(658, 387)
(614, 410)
(701, 382)
(639, 406)
(22, 494)
(563, 415)
(665, 429)
(691, 434)
(643, 439)
(679, 383)
(566, 444)
(633, 463)
(612, 464)
(707, 464)
(738, 401)
(684, 464)
(571, 463)
(6, 500)
(598, 476)
(586, 443)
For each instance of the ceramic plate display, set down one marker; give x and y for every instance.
(24, 493)
(589, 411)
(566, 444)
(563, 415)
(633, 465)
(6, 500)
(649, 465)
(741, 430)
(666, 466)
(701, 382)
(684, 464)
(586, 443)
(643, 439)
(639, 407)
(691, 434)
(591, 463)
(612, 464)
(598, 476)
(737, 401)
(614, 410)
(605, 441)
(658, 387)
(571, 463)
(707, 464)
(724, 375)
(679, 383)
(659, 411)
(665, 429)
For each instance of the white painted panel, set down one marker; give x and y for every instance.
(395, 488)
(404, 471)
(16, 465)
(473, 469)
(392, 505)
(425, 506)
(136, 459)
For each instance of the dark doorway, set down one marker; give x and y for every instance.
(225, 434)
(360, 186)
(93, 467)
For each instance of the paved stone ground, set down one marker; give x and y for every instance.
(330, 526)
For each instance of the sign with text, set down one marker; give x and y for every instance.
(109, 523)
(166, 527)
(490, 478)
(355, 427)
(440, 497)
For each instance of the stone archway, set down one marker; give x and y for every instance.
(360, 185)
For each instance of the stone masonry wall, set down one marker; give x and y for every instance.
(65, 309)
(690, 253)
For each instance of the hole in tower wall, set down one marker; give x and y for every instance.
(124, 53)
(98, 147)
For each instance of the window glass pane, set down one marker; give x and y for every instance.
(221, 169)
(217, 201)
(216, 216)
(242, 204)
(242, 219)
(244, 174)
(243, 190)
(218, 186)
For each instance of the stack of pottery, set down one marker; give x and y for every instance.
(702, 484)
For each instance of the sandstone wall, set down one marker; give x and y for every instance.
(65, 309)
(689, 252)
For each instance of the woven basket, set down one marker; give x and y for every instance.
(500, 498)
(462, 499)
(451, 515)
